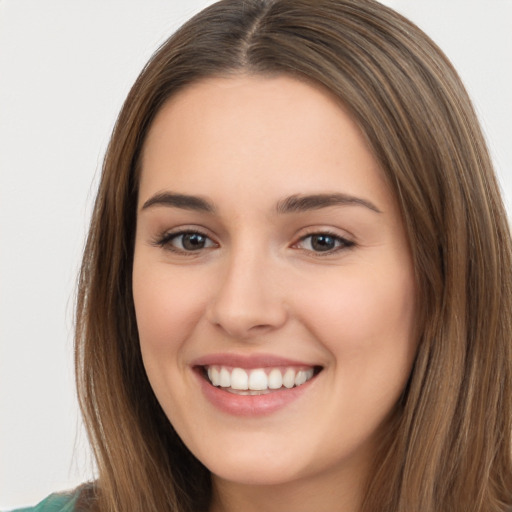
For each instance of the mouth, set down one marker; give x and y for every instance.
(257, 381)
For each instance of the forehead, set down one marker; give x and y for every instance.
(278, 133)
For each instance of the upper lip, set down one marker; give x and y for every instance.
(248, 361)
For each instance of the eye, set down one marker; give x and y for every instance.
(323, 243)
(186, 241)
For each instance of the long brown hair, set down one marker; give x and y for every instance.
(448, 448)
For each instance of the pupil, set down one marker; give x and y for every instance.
(322, 242)
(193, 242)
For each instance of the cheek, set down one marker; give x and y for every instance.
(374, 346)
(367, 308)
(367, 322)
(167, 307)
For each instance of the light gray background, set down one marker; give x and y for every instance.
(65, 68)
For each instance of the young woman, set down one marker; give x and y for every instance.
(296, 289)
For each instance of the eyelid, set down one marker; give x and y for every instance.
(346, 243)
(164, 240)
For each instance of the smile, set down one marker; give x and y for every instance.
(255, 385)
(257, 381)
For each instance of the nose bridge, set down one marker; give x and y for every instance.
(248, 300)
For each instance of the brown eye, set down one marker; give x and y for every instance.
(324, 242)
(193, 241)
(186, 241)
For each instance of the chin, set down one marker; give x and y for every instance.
(255, 473)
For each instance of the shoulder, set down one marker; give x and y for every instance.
(54, 503)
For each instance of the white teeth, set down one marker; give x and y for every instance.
(300, 378)
(214, 375)
(275, 379)
(239, 379)
(289, 378)
(258, 379)
(303, 376)
(225, 378)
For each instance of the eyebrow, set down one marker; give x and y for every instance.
(303, 203)
(183, 201)
(292, 204)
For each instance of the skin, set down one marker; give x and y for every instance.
(259, 285)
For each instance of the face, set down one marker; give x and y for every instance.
(272, 281)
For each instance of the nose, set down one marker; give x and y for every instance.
(248, 300)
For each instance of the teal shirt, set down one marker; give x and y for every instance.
(54, 503)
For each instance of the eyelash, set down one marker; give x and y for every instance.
(342, 243)
(165, 242)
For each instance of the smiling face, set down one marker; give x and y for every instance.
(272, 281)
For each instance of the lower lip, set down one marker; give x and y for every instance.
(251, 405)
